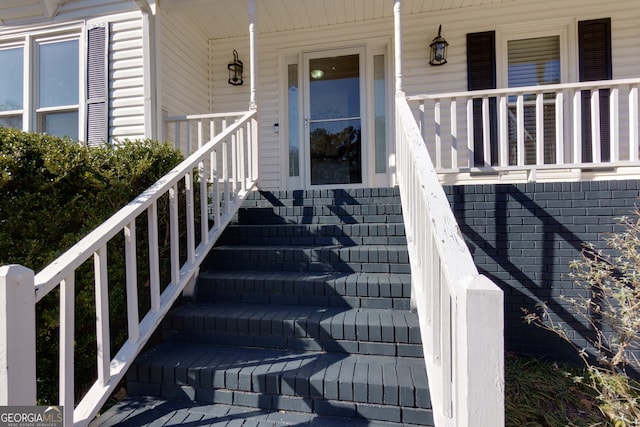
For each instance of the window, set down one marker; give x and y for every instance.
(11, 87)
(533, 62)
(39, 85)
(57, 76)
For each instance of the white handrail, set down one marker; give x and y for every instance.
(460, 311)
(534, 128)
(204, 126)
(214, 177)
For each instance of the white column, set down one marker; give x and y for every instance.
(150, 65)
(252, 54)
(397, 36)
(17, 336)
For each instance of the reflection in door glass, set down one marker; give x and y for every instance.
(379, 106)
(292, 100)
(336, 152)
(335, 126)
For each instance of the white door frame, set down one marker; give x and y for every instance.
(299, 57)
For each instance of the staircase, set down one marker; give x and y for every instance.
(301, 317)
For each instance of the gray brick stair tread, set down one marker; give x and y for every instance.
(338, 197)
(299, 234)
(389, 207)
(332, 254)
(251, 370)
(300, 321)
(253, 217)
(137, 411)
(320, 277)
(308, 247)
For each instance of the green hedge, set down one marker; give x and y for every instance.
(52, 193)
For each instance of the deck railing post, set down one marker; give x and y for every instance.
(17, 336)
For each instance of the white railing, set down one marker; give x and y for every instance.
(571, 131)
(188, 133)
(460, 311)
(221, 189)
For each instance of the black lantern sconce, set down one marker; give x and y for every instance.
(235, 70)
(438, 50)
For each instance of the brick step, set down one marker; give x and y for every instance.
(314, 234)
(366, 290)
(374, 387)
(337, 197)
(356, 214)
(297, 328)
(354, 259)
(139, 411)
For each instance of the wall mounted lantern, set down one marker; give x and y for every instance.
(438, 50)
(235, 70)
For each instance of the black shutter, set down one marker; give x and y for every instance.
(481, 74)
(97, 86)
(594, 51)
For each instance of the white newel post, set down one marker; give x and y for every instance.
(480, 346)
(397, 45)
(17, 336)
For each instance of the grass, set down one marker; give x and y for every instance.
(540, 393)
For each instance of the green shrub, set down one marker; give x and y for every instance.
(52, 193)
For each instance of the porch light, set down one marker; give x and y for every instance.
(317, 74)
(235, 70)
(438, 50)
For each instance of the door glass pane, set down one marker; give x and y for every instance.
(58, 74)
(11, 79)
(335, 87)
(380, 102)
(533, 62)
(293, 104)
(336, 152)
(334, 120)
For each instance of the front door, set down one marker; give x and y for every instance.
(333, 118)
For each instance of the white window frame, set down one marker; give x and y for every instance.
(29, 41)
(559, 27)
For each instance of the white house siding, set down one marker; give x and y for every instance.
(419, 77)
(184, 59)
(126, 81)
